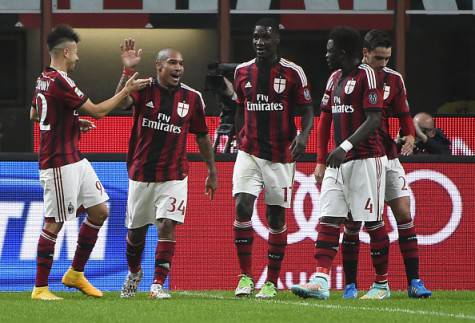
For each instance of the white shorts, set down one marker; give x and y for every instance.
(68, 187)
(396, 184)
(252, 174)
(356, 187)
(148, 202)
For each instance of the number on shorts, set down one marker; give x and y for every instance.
(43, 105)
(369, 205)
(99, 186)
(404, 185)
(287, 190)
(181, 206)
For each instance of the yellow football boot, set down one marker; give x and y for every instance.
(76, 279)
(43, 294)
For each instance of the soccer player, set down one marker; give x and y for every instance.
(68, 180)
(355, 178)
(270, 90)
(377, 52)
(157, 164)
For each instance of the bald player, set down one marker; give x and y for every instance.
(163, 114)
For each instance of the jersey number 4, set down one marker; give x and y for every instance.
(369, 205)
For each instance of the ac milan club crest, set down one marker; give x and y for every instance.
(373, 98)
(387, 91)
(350, 86)
(279, 84)
(182, 109)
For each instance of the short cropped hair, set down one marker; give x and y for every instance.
(347, 39)
(377, 38)
(61, 34)
(269, 22)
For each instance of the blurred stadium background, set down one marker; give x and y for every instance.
(434, 48)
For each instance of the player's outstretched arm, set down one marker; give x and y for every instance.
(130, 59)
(99, 110)
(206, 151)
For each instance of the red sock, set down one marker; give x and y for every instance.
(379, 244)
(326, 245)
(276, 244)
(44, 257)
(134, 255)
(86, 242)
(243, 238)
(409, 249)
(350, 247)
(163, 260)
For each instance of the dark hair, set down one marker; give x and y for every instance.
(347, 39)
(61, 34)
(269, 22)
(377, 38)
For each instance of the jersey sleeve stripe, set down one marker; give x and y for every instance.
(243, 65)
(369, 75)
(298, 69)
(65, 77)
(330, 80)
(196, 92)
(391, 71)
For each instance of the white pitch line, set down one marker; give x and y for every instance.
(342, 307)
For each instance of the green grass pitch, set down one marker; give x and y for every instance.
(222, 306)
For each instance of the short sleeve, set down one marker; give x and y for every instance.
(137, 98)
(400, 104)
(324, 104)
(238, 88)
(373, 98)
(303, 88)
(72, 95)
(197, 121)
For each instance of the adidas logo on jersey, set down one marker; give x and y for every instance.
(248, 84)
(150, 104)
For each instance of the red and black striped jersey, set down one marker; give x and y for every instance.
(396, 105)
(269, 95)
(162, 119)
(56, 100)
(347, 98)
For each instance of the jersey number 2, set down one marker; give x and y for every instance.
(43, 105)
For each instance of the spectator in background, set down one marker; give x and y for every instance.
(429, 139)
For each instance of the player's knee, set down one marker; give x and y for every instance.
(275, 217)
(98, 214)
(53, 227)
(137, 236)
(244, 210)
(402, 215)
(166, 228)
(401, 209)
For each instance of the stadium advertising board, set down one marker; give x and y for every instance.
(442, 200)
(460, 131)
